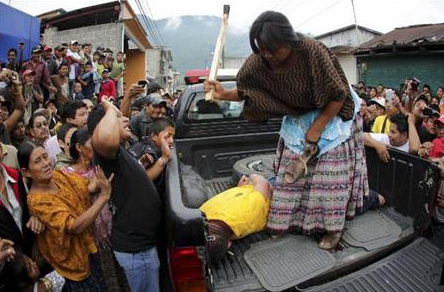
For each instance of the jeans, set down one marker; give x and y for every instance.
(141, 269)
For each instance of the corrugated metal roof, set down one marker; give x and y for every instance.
(407, 36)
(91, 15)
(349, 27)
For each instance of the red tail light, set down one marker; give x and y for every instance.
(187, 270)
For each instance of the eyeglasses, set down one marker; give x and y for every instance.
(40, 125)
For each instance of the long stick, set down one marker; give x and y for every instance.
(218, 50)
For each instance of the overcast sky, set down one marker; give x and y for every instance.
(308, 16)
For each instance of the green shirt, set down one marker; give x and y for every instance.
(118, 68)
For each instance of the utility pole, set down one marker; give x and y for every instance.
(356, 24)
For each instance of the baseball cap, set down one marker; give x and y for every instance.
(73, 42)
(155, 99)
(440, 120)
(380, 102)
(105, 71)
(37, 49)
(47, 48)
(140, 102)
(27, 72)
(59, 48)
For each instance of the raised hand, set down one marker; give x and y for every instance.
(133, 91)
(103, 183)
(216, 86)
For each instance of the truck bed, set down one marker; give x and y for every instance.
(234, 275)
(206, 150)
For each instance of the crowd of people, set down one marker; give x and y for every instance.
(82, 171)
(83, 157)
(408, 120)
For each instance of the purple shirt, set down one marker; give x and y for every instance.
(41, 71)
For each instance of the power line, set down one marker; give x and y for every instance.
(278, 6)
(317, 14)
(144, 20)
(149, 20)
(154, 22)
(147, 24)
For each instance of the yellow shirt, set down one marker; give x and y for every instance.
(66, 253)
(100, 68)
(243, 209)
(379, 122)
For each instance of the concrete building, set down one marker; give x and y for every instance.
(159, 66)
(232, 62)
(111, 25)
(413, 51)
(343, 41)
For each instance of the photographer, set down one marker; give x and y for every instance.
(427, 129)
(382, 123)
(12, 79)
(409, 93)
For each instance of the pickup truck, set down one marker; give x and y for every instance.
(214, 145)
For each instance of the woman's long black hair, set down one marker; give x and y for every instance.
(81, 136)
(24, 152)
(273, 29)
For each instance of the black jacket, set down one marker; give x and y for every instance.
(8, 227)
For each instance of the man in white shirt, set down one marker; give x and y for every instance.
(402, 136)
(75, 59)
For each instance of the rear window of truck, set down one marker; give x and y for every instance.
(199, 109)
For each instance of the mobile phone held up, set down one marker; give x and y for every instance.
(142, 83)
(389, 95)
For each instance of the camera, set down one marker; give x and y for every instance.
(429, 112)
(142, 83)
(414, 83)
(9, 77)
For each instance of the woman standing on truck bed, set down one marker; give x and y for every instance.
(320, 161)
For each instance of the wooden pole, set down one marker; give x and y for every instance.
(218, 50)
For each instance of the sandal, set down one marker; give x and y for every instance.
(296, 169)
(330, 240)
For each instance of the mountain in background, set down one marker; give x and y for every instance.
(192, 40)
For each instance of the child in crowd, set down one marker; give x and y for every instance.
(77, 93)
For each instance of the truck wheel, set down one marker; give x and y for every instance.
(258, 164)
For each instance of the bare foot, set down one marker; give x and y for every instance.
(381, 200)
(330, 240)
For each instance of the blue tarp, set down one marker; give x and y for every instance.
(15, 27)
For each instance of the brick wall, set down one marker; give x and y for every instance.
(109, 35)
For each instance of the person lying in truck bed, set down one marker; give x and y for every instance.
(236, 213)
(243, 210)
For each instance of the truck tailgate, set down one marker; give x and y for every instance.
(233, 273)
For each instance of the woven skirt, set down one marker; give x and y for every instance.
(332, 190)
